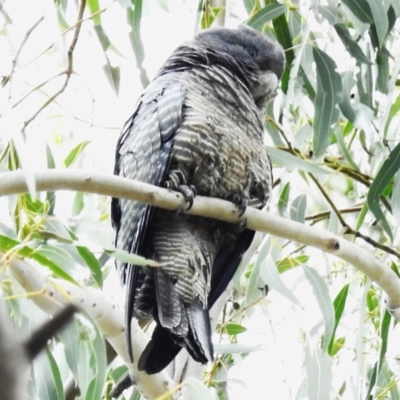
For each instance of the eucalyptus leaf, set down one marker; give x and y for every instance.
(384, 176)
(321, 293)
(283, 158)
(329, 92)
(380, 18)
(266, 14)
(272, 278)
(75, 153)
(351, 45)
(361, 9)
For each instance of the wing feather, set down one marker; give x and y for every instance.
(143, 153)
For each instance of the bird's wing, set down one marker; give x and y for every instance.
(143, 153)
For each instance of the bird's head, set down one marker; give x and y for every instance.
(261, 58)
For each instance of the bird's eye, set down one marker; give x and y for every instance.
(251, 52)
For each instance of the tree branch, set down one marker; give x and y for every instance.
(94, 182)
(108, 316)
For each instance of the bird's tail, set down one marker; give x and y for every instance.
(164, 345)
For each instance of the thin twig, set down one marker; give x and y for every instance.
(68, 71)
(325, 214)
(14, 61)
(66, 31)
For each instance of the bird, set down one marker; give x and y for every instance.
(197, 129)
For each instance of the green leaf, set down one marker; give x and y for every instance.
(74, 153)
(234, 329)
(163, 5)
(343, 149)
(283, 158)
(321, 293)
(130, 258)
(57, 255)
(361, 9)
(337, 346)
(43, 378)
(283, 200)
(94, 7)
(197, 390)
(134, 17)
(231, 348)
(351, 46)
(255, 281)
(291, 262)
(249, 5)
(384, 333)
(338, 305)
(396, 7)
(382, 61)
(56, 375)
(266, 14)
(50, 196)
(395, 197)
(394, 110)
(284, 38)
(98, 363)
(272, 278)
(6, 244)
(78, 204)
(386, 173)
(92, 263)
(298, 208)
(329, 89)
(329, 13)
(70, 339)
(380, 18)
(319, 375)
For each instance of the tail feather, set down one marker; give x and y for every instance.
(164, 345)
(159, 352)
(198, 343)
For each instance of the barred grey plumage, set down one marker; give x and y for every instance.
(199, 123)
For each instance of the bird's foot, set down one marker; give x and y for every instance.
(124, 383)
(241, 203)
(189, 193)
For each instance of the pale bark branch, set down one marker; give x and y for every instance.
(94, 182)
(107, 315)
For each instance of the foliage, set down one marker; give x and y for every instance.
(333, 139)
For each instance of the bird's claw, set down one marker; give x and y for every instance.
(124, 383)
(189, 193)
(241, 203)
(242, 225)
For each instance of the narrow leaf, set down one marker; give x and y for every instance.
(266, 14)
(298, 208)
(361, 9)
(319, 376)
(380, 18)
(321, 293)
(338, 305)
(92, 263)
(130, 258)
(94, 7)
(7, 243)
(74, 153)
(283, 158)
(291, 262)
(394, 109)
(351, 45)
(329, 89)
(234, 329)
(235, 348)
(272, 278)
(386, 173)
